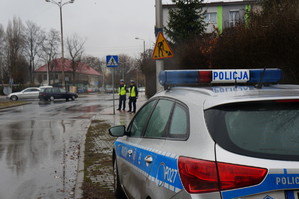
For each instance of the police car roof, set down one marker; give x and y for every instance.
(217, 95)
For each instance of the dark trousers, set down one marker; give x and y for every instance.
(122, 102)
(132, 102)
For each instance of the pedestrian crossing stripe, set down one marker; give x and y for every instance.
(162, 49)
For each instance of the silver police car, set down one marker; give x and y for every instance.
(239, 141)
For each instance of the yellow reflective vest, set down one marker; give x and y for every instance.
(122, 90)
(133, 91)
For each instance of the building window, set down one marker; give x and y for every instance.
(234, 17)
(211, 18)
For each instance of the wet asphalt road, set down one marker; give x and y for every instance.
(40, 144)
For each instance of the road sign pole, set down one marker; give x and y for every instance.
(112, 61)
(113, 90)
(159, 26)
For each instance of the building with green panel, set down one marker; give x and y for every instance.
(220, 15)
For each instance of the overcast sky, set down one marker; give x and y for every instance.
(109, 26)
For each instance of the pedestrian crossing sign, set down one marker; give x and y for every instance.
(112, 61)
(162, 49)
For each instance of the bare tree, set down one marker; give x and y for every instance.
(14, 47)
(50, 47)
(97, 64)
(75, 47)
(93, 62)
(34, 38)
(126, 66)
(2, 57)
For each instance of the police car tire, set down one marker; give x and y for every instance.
(118, 191)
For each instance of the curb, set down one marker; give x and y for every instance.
(80, 174)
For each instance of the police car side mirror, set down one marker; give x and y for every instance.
(117, 131)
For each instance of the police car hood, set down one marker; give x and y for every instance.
(231, 94)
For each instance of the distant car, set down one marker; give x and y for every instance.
(28, 93)
(56, 93)
(141, 89)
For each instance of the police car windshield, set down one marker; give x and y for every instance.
(266, 129)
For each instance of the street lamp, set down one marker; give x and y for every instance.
(143, 46)
(60, 4)
(143, 54)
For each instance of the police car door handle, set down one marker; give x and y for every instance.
(148, 159)
(130, 151)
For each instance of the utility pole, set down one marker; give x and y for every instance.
(159, 28)
(60, 4)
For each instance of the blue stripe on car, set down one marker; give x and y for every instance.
(163, 170)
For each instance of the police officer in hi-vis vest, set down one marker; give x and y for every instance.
(133, 94)
(122, 92)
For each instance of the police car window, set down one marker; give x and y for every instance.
(259, 129)
(179, 123)
(138, 124)
(158, 122)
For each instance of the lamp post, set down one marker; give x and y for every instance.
(60, 4)
(143, 46)
(143, 55)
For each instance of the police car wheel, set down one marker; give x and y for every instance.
(118, 191)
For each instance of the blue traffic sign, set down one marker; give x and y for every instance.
(112, 61)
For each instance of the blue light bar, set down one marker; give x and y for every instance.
(183, 77)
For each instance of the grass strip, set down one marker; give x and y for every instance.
(6, 104)
(98, 162)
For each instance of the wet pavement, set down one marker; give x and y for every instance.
(41, 145)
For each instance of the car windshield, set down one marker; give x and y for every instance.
(261, 129)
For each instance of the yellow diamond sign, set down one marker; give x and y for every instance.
(162, 49)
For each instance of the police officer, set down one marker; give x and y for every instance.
(122, 92)
(133, 94)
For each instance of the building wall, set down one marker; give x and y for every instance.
(220, 15)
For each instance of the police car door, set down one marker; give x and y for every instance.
(132, 165)
(155, 160)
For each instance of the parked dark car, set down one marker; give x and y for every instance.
(56, 93)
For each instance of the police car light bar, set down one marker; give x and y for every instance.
(181, 77)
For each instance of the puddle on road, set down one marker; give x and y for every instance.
(88, 111)
(84, 109)
(40, 159)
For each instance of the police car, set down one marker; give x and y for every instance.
(237, 141)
